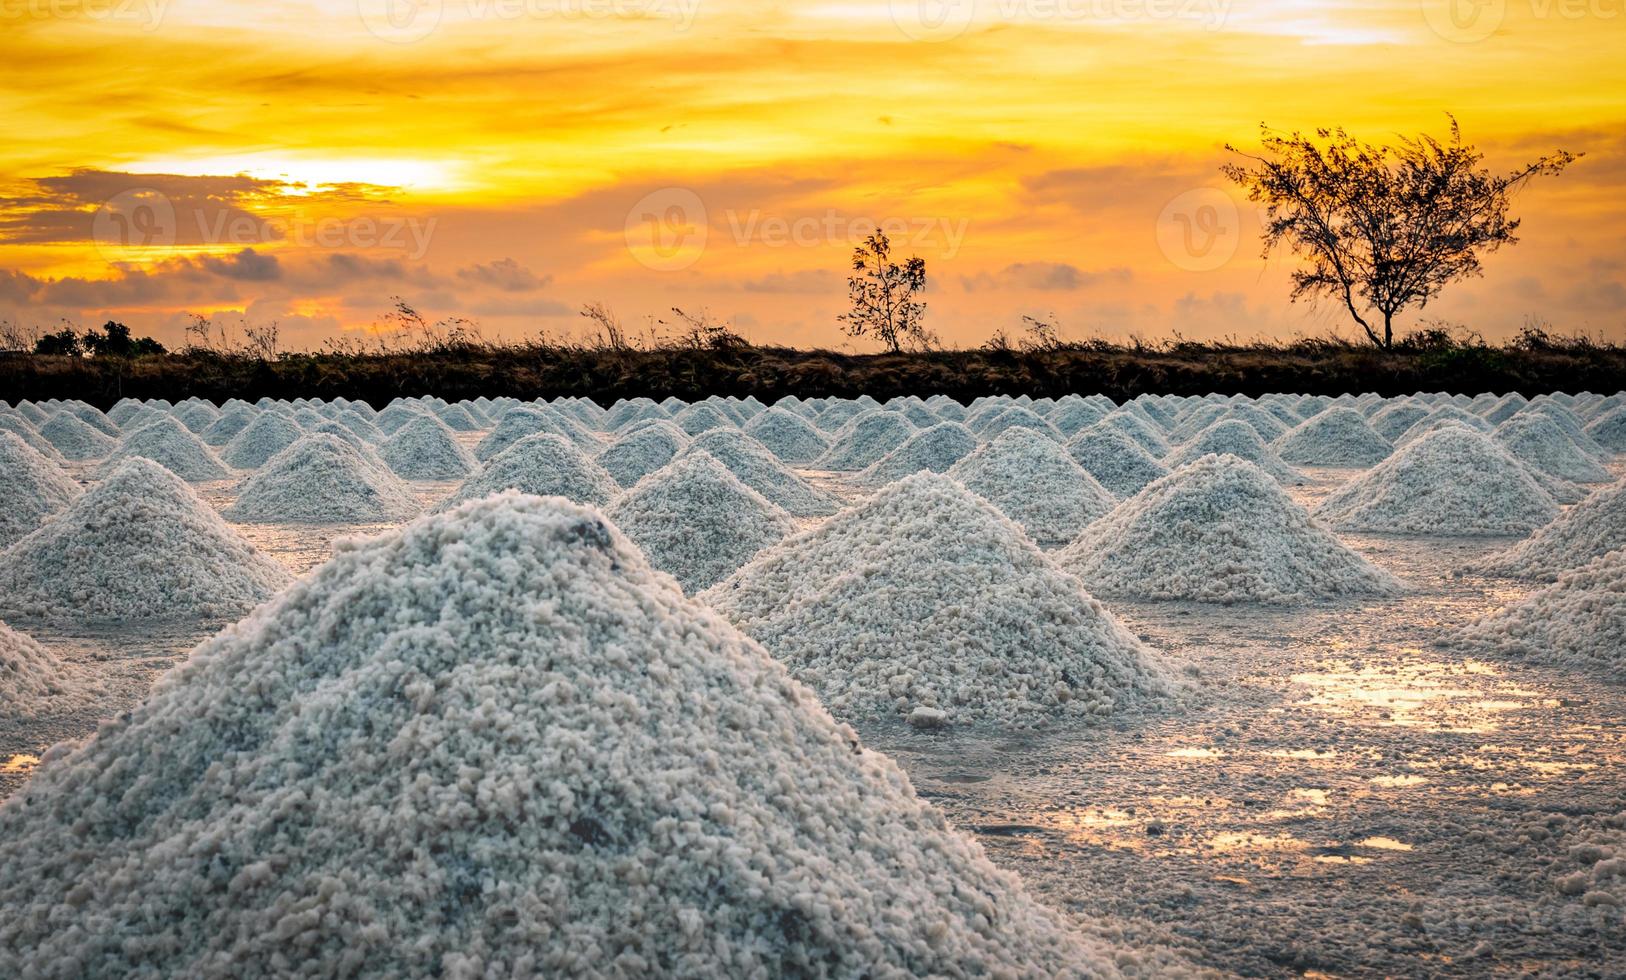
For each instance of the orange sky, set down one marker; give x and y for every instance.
(510, 160)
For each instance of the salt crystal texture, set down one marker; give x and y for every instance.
(1218, 530)
(927, 596)
(138, 546)
(1033, 481)
(1586, 531)
(270, 433)
(32, 489)
(425, 449)
(171, 445)
(321, 479)
(539, 760)
(697, 522)
(1609, 430)
(546, 465)
(758, 469)
(34, 682)
(1578, 621)
(1337, 437)
(1452, 481)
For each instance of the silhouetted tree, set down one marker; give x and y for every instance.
(114, 340)
(63, 342)
(883, 295)
(1382, 227)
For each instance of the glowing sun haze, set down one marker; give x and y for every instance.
(510, 160)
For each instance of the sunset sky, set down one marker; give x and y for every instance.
(511, 160)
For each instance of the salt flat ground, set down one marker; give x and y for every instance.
(1337, 797)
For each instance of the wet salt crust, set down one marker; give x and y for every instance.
(541, 759)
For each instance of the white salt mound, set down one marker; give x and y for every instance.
(34, 682)
(545, 465)
(1392, 421)
(1337, 437)
(170, 444)
(787, 435)
(539, 760)
(865, 439)
(701, 417)
(228, 425)
(933, 450)
(321, 479)
(642, 450)
(19, 426)
(196, 416)
(516, 424)
(697, 522)
(1218, 530)
(1539, 443)
(1589, 530)
(73, 438)
(1138, 429)
(1609, 430)
(425, 449)
(1014, 417)
(32, 489)
(1579, 621)
(270, 433)
(1453, 481)
(1118, 463)
(140, 545)
(1235, 438)
(758, 469)
(1033, 481)
(926, 596)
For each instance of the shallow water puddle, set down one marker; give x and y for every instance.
(19, 763)
(1465, 697)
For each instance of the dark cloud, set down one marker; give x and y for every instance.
(504, 274)
(1043, 276)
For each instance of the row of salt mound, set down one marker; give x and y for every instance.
(1452, 481)
(1541, 444)
(322, 479)
(928, 603)
(1337, 437)
(541, 759)
(1581, 534)
(424, 448)
(270, 433)
(760, 470)
(171, 445)
(1218, 530)
(139, 545)
(1033, 481)
(545, 465)
(33, 681)
(931, 450)
(1578, 621)
(32, 489)
(74, 438)
(19, 426)
(866, 438)
(643, 448)
(697, 522)
(1117, 462)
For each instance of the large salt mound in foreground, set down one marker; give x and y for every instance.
(927, 602)
(540, 759)
(321, 479)
(170, 444)
(545, 465)
(1589, 530)
(140, 545)
(33, 681)
(32, 489)
(696, 521)
(1033, 481)
(1579, 621)
(1452, 481)
(1218, 530)
(1337, 437)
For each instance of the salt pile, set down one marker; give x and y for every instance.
(925, 602)
(1538, 442)
(1218, 530)
(1338, 437)
(1439, 418)
(1579, 621)
(93, 417)
(1235, 438)
(1609, 430)
(865, 439)
(758, 469)
(1015, 417)
(196, 416)
(270, 433)
(395, 415)
(1269, 427)
(425, 449)
(1070, 417)
(32, 489)
(458, 418)
(701, 417)
(321, 479)
(546, 465)
(73, 438)
(140, 545)
(366, 430)
(696, 521)
(1586, 531)
(838, 415)
(540, 760)
(517, 424)
(19, 426)
(1392, 421)
(1116, 461)
(1453, 481)
(167, 442)
(1035, 483)
(646, 447)
(931, 450)
(790, 437)
(625, 413)
(1139, 430)
(33, 681)
(228, 425)
(1567, 420)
